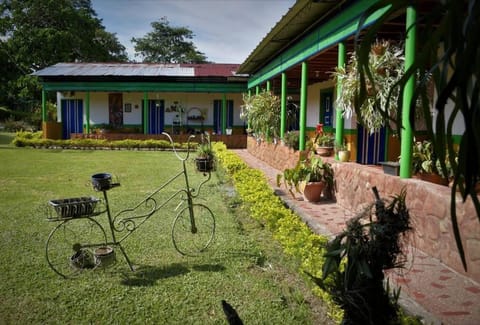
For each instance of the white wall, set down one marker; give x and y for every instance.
(99, 105)
(313, 105)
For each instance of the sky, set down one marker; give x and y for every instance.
(226, 31)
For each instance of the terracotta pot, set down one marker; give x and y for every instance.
(433, 178)
(312, 191)
(324, 151)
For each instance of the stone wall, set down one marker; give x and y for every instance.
(429, 205)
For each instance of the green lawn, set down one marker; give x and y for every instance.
(244, 266)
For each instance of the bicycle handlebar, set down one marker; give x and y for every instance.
(175, 149)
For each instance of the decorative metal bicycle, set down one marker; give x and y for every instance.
(79, 242)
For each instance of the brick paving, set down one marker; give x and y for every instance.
(430, 289)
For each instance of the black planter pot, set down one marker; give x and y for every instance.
(204, 164)
(101, 181)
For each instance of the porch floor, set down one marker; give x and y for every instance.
(430, 289)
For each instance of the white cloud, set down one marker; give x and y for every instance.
(226, 31)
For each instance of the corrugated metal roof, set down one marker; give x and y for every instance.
(115, 69)
(291, 27)
(138, 70)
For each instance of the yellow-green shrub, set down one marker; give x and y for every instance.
(288, 229)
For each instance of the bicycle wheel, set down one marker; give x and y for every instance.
(189, 241)
(71, 244)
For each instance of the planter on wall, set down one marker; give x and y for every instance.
(344, 155)
(432, 178)
(312, 191)
(324, 151)
(391, 167)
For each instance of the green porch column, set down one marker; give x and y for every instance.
(224, 113)
(145, 113)
(44, 106)
(87, 112)
(303, 105)
(340, 123)
(257, 90)
(283, 103)
(268, 85)
(407, 132)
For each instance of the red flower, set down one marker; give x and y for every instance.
(319, 128)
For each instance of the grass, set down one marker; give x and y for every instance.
(244, 266)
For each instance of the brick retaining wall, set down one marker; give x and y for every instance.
(429, 204)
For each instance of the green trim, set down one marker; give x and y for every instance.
(283, 105)
(342, 26)
(145, 112)
(340, 123)
(303, 105)
(87, 112)
(190, 87)
(407, 131)
(224, 113)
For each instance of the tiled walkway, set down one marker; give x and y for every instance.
(429, 288)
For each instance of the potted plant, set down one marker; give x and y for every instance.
(386, 61)
(262, 113)
(342, 152)
(205, 160)
(324, 144)
(291, 139)
(356, 259)
(426, 166)
(310, 176)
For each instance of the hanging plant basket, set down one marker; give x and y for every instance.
(204, 164)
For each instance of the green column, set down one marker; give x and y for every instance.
(268, 85)
(283, 103)
(87, 112)
(339, 123)
(44, 106)
(303, 105)
(407, 132)
(257, 90)
(145, 113)
(224, 114)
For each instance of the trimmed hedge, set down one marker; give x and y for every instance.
(35, 140)
(288, 229)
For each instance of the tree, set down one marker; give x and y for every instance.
(37, 33)
(449, 49)
(166, 44)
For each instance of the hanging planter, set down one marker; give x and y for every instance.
(205, 160)
(204, 164)
(386, 62)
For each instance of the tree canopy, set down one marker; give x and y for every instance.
(167, 44)
(38, 33)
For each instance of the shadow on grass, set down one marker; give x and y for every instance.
(146, 275)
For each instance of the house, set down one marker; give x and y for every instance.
(146, 99)
(297, 57)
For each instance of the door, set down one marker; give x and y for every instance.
(156, 116)
(218, 116)
(115, 110)
(371, 147)
(326, 108)
(72, 117)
